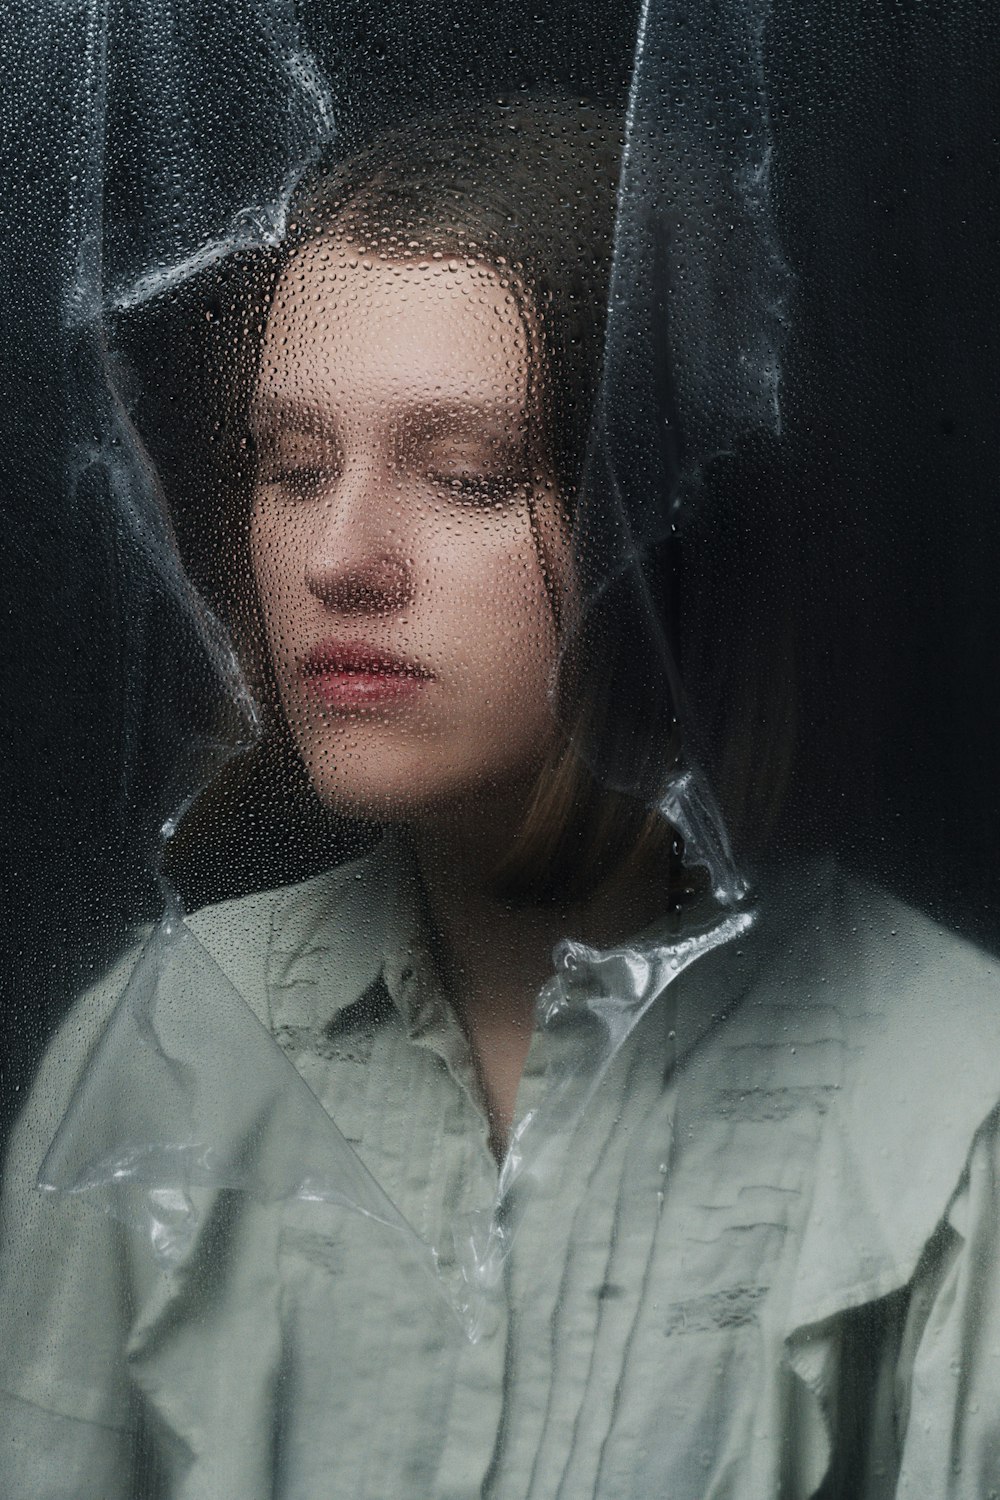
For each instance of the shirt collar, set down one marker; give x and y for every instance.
(337, 935)
(333, 937)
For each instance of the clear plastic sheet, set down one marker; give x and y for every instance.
(187, 1043)
(426, 410)
(197, 209)
(179, 167)
(694, 222)
(187, 1062)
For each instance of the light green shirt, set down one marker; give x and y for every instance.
(744, 1244)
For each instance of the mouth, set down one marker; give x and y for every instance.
(351, 677)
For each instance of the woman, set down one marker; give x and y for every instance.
(714, 1200)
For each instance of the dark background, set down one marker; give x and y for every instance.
(876, 514)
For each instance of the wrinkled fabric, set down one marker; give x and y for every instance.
(775, 1203)
(743, 1244)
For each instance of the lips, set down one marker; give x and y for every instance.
(351, 676)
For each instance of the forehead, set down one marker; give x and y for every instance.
(350, 328)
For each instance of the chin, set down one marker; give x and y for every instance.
(364, 787)
(419, 792)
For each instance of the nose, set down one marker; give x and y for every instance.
(349, 568)
(371, 585)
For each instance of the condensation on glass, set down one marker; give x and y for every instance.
(420, 437)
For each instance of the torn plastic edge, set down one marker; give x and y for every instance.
(133, 493)
(253, 227)
(669, 52)
(690, 807)
(86, 299)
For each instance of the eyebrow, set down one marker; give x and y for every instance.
(272, 413)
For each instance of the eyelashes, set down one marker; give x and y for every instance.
(465, 456)
(304, 478)
(296, 463)
(309, 481)
(481, 488)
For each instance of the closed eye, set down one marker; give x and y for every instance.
(304, 478)
(479, 488)
(298, 456)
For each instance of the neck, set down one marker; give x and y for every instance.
(496, 956)
(493, 953)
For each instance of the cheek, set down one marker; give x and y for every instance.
(262, 557)
(497, 611)
(275, 561)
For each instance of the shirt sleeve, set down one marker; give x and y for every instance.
(948, 1374)
(65, 1407)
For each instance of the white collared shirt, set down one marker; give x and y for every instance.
(745, 1238)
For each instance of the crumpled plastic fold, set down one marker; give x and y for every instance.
(192, 1092)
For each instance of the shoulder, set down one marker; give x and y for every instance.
(904, 949)
(239, 937)
(63, 1063)
(897, 979)
(920, 1004)
(925, 1075)
(918, 1012)
(908, 1013)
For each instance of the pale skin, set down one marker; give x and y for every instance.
(401, 505)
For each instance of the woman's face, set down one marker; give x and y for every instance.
(401, 532)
